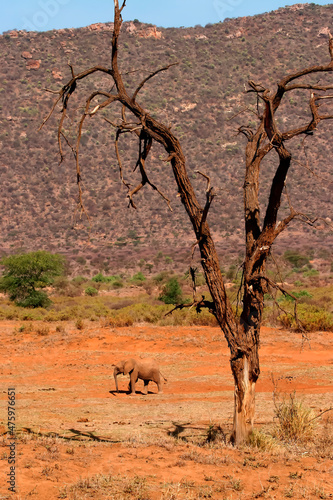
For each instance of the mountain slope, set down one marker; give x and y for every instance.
(199, 98)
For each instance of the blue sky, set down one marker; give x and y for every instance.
(42, 15)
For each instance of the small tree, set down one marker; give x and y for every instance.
(27, 274)
(242, 334)
(172, 292)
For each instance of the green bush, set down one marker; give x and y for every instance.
(171, 293)
(91, 291)
(296, 259)
(311, 317)
(36, 298)
(99, 278)
(138, 278)
(25, 276)
(299, 295)
(117, 284)
(310, 273)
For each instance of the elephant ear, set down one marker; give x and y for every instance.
(128, 366)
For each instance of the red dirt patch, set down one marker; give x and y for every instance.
(63, 381)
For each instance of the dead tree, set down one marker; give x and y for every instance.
(242, 335)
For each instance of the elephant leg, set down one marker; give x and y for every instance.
(159, 384)
(145, 387)
(133, 379)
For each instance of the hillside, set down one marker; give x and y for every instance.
(198, 98)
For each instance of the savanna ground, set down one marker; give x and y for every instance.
(78, 439)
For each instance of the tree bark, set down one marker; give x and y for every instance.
(244, 398)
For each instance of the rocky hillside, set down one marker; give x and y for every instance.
(201, 98)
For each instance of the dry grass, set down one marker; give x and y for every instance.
(106, 487)
(295, 422)
(263, 441)
(228, 483)
(315, 313)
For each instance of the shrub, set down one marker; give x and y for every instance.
(61, 284)
(161, 277)
(99, 278)
(79, 324)
(171, 293)
(138, 278)
(91, 291)
(231, 273)
(299, 295)
(311, 317)
(295, 421)
(117, 284)
(310, 273)
(79, 280)
(42, 330)
(119, 320)
(262, 441)
(296, 259)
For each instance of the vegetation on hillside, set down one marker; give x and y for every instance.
(125, 299)
(38, 196)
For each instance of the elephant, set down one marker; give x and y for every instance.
(146, 369)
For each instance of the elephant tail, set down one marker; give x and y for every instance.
(165, 379)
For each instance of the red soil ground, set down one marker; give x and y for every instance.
(72, 426)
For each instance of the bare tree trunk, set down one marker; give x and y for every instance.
(244, 400)
(242, 338)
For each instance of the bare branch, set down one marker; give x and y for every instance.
(284, 223)
(270, 231)
(119, 131)
(210, 195)
(321, 413)
(51, 91)
(193, 279)
(308, 86)
(308, 71)
(145, 143)
(255, 87)
(68, 144)
(123, 5)
(316, 118)
(285, 292)
(60, 134)
(278, 184)
(50, 113)
(242, 111)
(69, 88)
(282, 85)
(149, 77)
(198, 304)
(245, 130)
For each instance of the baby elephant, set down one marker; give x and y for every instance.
(145, 369)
